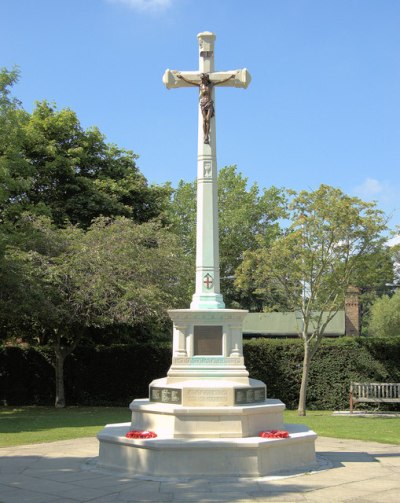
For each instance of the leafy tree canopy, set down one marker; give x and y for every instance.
(385, 316)
(330, 240)
(247, 217)
(50, 165)
(66, 281)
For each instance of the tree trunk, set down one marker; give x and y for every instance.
(61, 353)
(59, 369)
(304, 380)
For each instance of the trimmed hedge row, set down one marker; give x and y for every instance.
(115, 375)
(337, 363)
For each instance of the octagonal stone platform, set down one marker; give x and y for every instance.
(212, 457)
(176, 421)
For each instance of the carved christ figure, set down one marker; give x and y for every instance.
(206, 102)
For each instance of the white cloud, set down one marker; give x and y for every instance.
(385, 193)
(145, 5)
(394, 241)
(371, 188)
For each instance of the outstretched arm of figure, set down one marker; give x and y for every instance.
(180, 76)
(225, 80)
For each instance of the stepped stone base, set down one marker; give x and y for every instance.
(165, 457)
(175, 421)
(207, 412)
(208, 392)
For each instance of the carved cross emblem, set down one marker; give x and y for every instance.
(208, 281)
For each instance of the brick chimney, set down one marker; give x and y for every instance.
(352, 311)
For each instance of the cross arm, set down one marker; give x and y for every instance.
(241, 78)
(171, 80)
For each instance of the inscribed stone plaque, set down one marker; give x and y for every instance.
(165, 395)
(207, 340)
(211, 397)
(249, 395)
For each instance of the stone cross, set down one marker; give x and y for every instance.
(207, 294)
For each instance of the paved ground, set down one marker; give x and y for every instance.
(350, 471)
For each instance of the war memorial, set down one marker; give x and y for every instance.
(207, 416)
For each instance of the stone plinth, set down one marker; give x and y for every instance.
(176, 421)
(215, 457)
(207, 343)
(208, 393)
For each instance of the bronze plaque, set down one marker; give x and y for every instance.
(249, 395)
(165, 395)
(207, 340)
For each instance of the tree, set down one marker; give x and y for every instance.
(68, 280)
(375, 278)
(79, 177)
(247, 217)
(50, 165)
(395, 254)
(324, 249)
(385, 316)
(15, 173)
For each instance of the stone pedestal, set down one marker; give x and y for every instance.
(207, 412)
(175, 421)
(207, 457)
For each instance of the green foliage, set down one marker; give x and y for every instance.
(247, 216)
(66, 281)
(395, 255)
(333, 241)
(26, 376)
(385, 316)
(14, 170)
(77, 176)
(50, 165)
(116, 273)
(339, 362)
(117, 374)
(104, 375)
(329, 244)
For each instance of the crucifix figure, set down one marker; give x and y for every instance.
(207, 295)
(206, 101)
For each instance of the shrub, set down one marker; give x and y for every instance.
(115, 375)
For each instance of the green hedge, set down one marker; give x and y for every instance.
(115, 375)
(338, 362)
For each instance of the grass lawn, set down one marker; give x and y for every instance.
(375, 428)
(30, 425)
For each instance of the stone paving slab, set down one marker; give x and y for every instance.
(65, 472)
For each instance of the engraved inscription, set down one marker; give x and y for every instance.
(207, 340)
(204, 361)
(203, 396)
(155, 395)
(249, 395)
(165, 395)
(259, 395)
(240, 396)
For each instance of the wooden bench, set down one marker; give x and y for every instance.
(374, 392)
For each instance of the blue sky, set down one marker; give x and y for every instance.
(323, 105)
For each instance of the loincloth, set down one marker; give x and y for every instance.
(207, 106)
